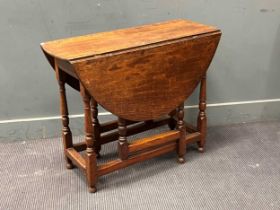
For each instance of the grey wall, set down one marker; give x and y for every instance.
(246, 66)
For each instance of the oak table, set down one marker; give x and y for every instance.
(143, 76)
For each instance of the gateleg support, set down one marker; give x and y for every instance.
(181, 146)
(202, 119)
(66, 132)
(96, 127)
(91, 162)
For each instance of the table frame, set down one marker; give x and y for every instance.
(176, 139)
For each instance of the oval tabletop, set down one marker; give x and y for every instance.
(147, 83)
(139, 73)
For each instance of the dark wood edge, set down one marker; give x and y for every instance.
(215, 32)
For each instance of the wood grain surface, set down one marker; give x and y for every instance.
(106, 42)
(138, 74)
(148, 82)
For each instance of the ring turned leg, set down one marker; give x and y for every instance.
(66, 132)
(202, 119)
(123, 144)
(181, 150)
(91, 163)
(96, 126)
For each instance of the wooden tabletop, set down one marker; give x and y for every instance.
(106, 42)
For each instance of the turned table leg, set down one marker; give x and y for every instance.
(181, 150)
(96, 126)
(66, 132)
(122, 144)
(202, 119)
(91, 163)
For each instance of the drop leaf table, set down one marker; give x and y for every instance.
(142, 75)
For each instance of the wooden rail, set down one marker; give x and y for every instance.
(153, 141)
(118, 164)
(76, 158)
(108, 126)
(147, 148)
(170, 145)
(131, 130)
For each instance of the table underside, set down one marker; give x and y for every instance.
(96, 134)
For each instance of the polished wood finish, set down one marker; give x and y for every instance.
(125, 60)
(118, 40)
(153, 141)
(190, 138)
(140, 74)
(135, 82)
